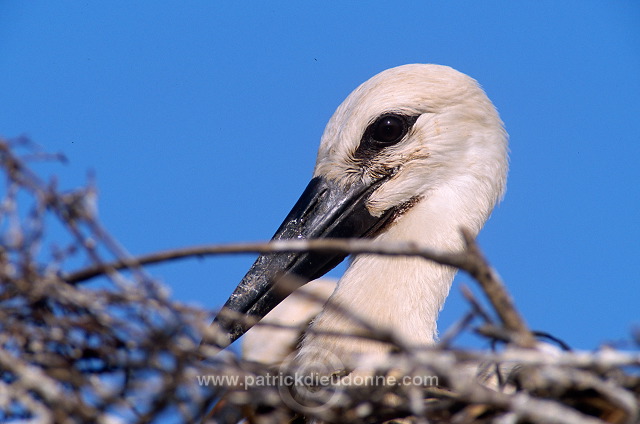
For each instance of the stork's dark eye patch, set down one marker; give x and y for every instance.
(387, 130)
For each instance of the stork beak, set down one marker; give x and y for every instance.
(325, 210)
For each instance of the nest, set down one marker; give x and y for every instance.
(106, 343)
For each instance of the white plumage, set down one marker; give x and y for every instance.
(446, 171)
(279, 332)
(454, 158)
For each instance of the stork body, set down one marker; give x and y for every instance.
(413, 154)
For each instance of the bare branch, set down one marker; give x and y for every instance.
(345, 246)
(494, 289)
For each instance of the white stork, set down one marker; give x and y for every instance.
(413, 154)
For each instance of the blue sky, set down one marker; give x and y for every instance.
(201, 122)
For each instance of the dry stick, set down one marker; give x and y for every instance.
(459, 260)
(344, 246)
(475, 304)
(497, 293)
(455, 330)
(30, 378)
(69, 208)
(470, 260)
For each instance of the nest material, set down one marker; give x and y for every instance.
(76, 348)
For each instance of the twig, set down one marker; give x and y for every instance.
(496, 292)
(344, 246)
(475, 305)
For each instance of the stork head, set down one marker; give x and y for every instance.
(404, 134)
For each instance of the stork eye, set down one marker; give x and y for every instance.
(389, 129)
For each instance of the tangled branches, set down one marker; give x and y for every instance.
(105, 343)
(119, 350)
